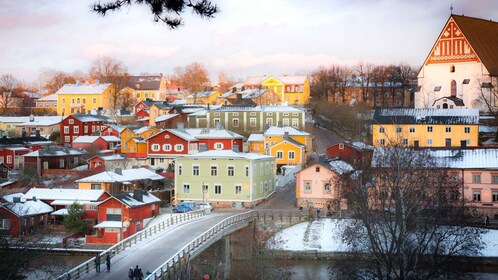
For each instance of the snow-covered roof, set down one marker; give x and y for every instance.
(70, 202)
(165, 117)
(245, 94)
(60, 212)
(202, 112)
(17, 148)
(487, 129)
(426, 116)
(256, 138)
(182, 134)
(228, 154)
(111, 139)
(113, 157)
(261, 108)
(39, 120)
(109, 224)
(203, 94)
(64, 194)
(10, 197)
(54, 153)
(85, 139)
(141, 129)
(83, 88)
(127, 175)
(51, 97)
(92, 118)
(213, 133)
(280, 131)
(360, 146)
(130, 200)
(29, 208)
(340, 166)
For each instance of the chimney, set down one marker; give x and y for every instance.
(97, 82)
(234, 89)
(208, 107)
(118, 171)
(16, 199)
(286, 135)
(34, 198)
(138, 195)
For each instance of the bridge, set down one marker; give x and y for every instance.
(166, 248)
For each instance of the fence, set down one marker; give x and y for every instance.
(174, 264)
(289, 175)
(87, 266)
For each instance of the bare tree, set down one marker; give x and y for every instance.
(162, 10)
(225, 82)
(411, 217)
(110, 70)
(194, 77)
(56, 79)
(8, 84)
(363, 72)
(488, 98)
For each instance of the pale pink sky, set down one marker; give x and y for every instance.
(248, 37)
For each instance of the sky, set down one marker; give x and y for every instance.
(247, 38)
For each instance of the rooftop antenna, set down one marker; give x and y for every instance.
(451, 8)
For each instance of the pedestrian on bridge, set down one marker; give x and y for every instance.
(136, 273)
(108, 262)
(130, 274)
(97, 263)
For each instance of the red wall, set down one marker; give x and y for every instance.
(15, 222)
(99, 144)
(173, 140)
(98, 125)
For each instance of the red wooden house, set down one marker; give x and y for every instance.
(168, 120)
(19, 216)
(12, 156)
(53, 157)
(80, 125)
(123, 215)
(358, 154)
(90, 143)
(142, 117)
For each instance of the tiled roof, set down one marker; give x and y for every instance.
(83, 88)
(426, 116)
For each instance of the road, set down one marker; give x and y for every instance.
(284, 198)
(151, 253)
(322, 137)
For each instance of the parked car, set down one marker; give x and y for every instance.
(182, 208)
(205, 205)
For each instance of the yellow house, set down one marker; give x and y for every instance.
(205, 97)
(426, 127)
(287, 152)
(157, 109)
(276, 134)
(256, 144)
(292, 90)
(147, 87)
(82, 98)
(129, 134)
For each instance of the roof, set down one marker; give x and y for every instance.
(165, 117)
(339, 166)
(357, 145)
(25, 119)
(280, 131)
(64, 194)
(203, 94)
(127, 175)
(262, 108)
(43, 121)
(28, 208)
(110, 139)
(288, 140)
(109, 224)
(228, 154)
(457, 101)
(426, 116)
(17, 148)
(92, 118)
(213, 133)
(130, 200)
(51, 97)
(24, 141)
(83, 88)
(85, 139)
(256, 138)
(483, 37)
(55, 152)
(290, 80)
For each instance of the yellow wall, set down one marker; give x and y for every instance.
(88, 185)
(285, 147)
(86, 101)
(211, 99)
(257, 147)
(155, 112)
(127, 134)
(305, 140)
(292, 98)
(438, 134)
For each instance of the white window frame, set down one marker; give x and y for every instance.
(195, 168)
(295, 123)
(66, 129)
(166, 147)
(292, 155)
(213, 172)
(230, 171)
(217, 189)
(252, 122)
(238, 189)
(178, 147)
(218, 146)
(76, 129)
(235, 122)
(186, 188)
(155, 147)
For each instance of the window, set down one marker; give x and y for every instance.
(317, 169)
(295, 123)
(307, 186)
(67, 139)
(95, 186)
(412, 129)
(186, 188)
(63, 100)
(247, 171)
(291, 155)
(429, 142)
(253, 114)
(66, 130)
(155, 147)
(178, 147)
(71, 121)
(195, 170)
(285, 122)
(269, 114)
(235, 122)
(238, 189)
(399, 129)
(495, 196)
(448, 129)
(269, 121)
(214, 170)
(476, 195)
(280, 154)
(382, 142)
(94, 100)
(85, 129)
(217, 189)
(231, 171)
(429, 129)
(76, 129)
(252, 122)
(61, 163)
(476, 178)
(382, 130)
(217, 122)
(466, 129)
(9, 159)
(5, 224)
(166, 147)
(494, 179)
(326, 188)
(404, 141)
(341, 146)
(180, 170)
(218, 146)
(453, 88)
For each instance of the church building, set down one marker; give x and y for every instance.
(461, 70)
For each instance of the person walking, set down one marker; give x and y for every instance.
(130, 273)
(486, 222)
(301, 209)
(136, 273)
(97, 263)
(318, 213)
(140, 274)
(108, 262)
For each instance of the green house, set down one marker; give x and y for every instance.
(225, 178)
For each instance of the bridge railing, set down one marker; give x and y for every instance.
(187, 249)
(88, 265)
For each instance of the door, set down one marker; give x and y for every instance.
(447, 142)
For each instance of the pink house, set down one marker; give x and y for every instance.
(321, 184)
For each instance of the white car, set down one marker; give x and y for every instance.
(205, 205)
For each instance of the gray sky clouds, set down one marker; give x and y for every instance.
(248, 37)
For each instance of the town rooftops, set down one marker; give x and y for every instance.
(127, 175)
(132, 200)
(280, 131)
(357, 145)
(262, 108)
(202, 94)
(165, 117)
(426, 116)
(92, 118)
(80, 88)
(24, 208)
(228, 154)
(339, 166)
(64, 194)
(245, 94)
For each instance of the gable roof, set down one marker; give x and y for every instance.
(290, 141)
(130, 200)
(483, 37)
(64, 194)
(426, 116)
(28, 208)
(85, 139)
(256, 137)
(165, 117)
(127, 175)
(96, 88)
(281, 130)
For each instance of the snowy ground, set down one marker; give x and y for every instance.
(325, 235)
